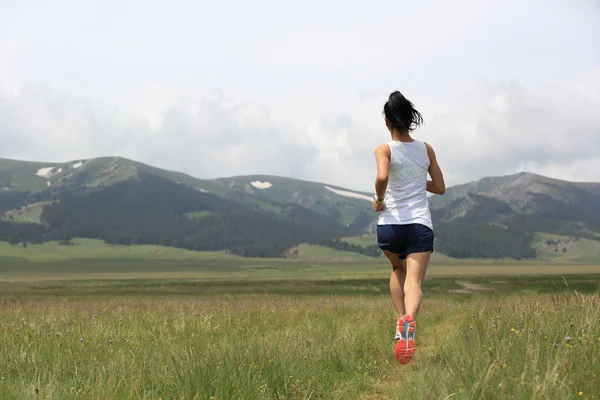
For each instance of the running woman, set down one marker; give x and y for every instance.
(404, 228)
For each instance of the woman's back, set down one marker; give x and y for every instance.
(406, 194)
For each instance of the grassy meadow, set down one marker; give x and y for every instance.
(104, 322)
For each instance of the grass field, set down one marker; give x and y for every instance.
(565, 249)
(108, 322)
(32, 213)
(562, 250)
(320, 253)
(362, 240)
(280, 340)
(97, 249)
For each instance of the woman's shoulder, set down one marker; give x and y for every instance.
(383, 148)
(429, 148)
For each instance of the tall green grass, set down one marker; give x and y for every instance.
(247, 348)
(225, 346)
(524, 347)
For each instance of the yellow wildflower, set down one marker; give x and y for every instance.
(580, 393)
(504, 365)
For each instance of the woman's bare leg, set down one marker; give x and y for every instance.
(397, 281)
(416, 265)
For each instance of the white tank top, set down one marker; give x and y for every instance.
(406, 194)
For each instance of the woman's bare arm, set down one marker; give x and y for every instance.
(382, 157)
(436, 185)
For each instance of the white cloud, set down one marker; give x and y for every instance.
(493, 130)
(304, 84)
(220, 138)
(40, 124)
(505, 128)
(224, 138)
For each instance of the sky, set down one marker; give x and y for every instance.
(296, 88)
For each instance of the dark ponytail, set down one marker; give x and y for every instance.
(401, 113)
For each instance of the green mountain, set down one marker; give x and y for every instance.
(122, 201)
(520, 190)
(506, 212)
(522, 216)
(267, 193)
(525, 200)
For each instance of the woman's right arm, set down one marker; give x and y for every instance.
(436, 185)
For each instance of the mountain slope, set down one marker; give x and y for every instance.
(498, 217)
(337, 203)
(527, 200)
(517, 189)
(20, 176)
(123, 201)
(48, 180)
(154, 210)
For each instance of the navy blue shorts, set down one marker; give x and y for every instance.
(405, 239)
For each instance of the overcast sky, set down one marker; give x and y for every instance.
(297, 88)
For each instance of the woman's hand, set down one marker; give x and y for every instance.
(377, 207)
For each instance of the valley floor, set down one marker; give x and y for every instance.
(93, 259)
(110, 322)
(534, 338)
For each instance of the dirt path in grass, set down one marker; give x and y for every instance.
(429, 338)
(469, 287)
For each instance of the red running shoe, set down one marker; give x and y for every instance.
(406, 345)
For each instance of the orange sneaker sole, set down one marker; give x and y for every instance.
(405, 347)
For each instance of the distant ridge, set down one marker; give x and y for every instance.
(127, 202)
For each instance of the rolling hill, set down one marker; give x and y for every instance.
(126, 202)
(267, 193)
(511, 210)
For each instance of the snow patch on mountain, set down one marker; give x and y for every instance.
(261, 185)
(44, 172)
(349, 194)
